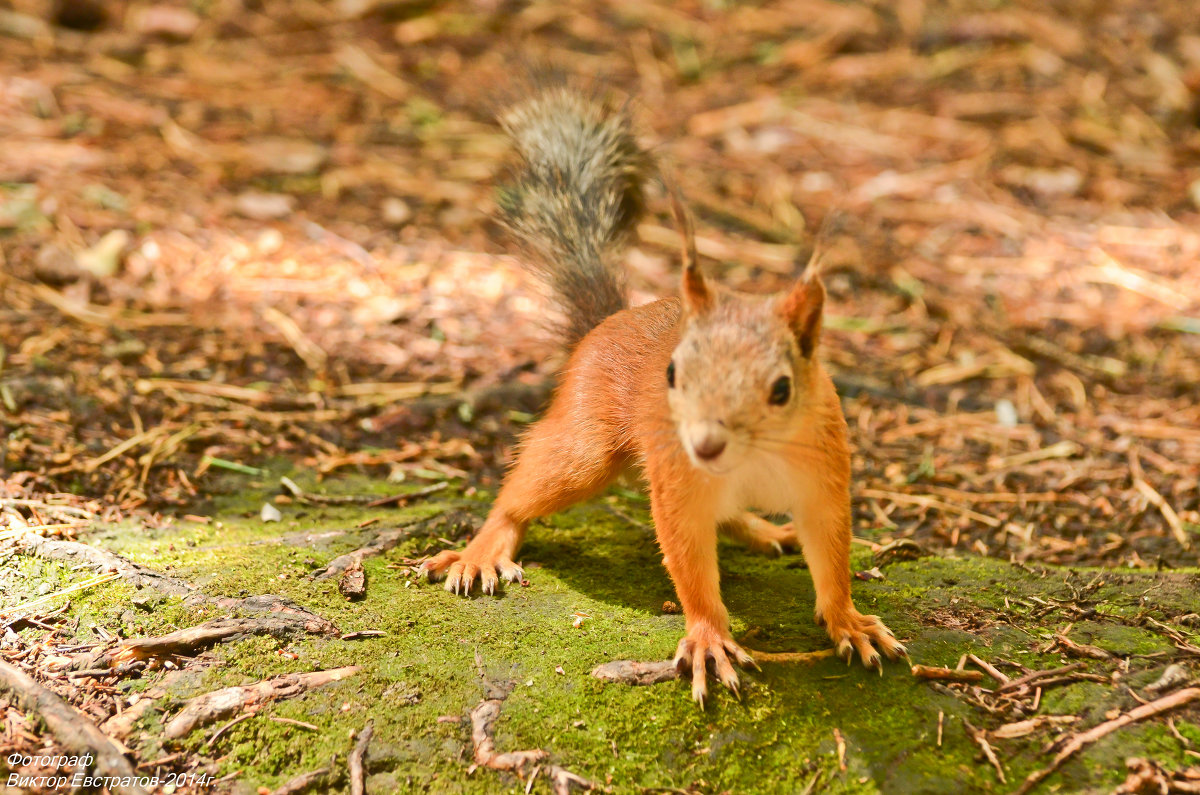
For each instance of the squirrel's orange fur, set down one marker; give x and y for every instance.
(719, 397)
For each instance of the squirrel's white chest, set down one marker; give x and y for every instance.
(765, 484)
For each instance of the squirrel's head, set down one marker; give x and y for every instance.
(743, 377)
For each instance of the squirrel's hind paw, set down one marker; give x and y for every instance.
(761, 535)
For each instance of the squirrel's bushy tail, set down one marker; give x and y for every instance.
(576, 197)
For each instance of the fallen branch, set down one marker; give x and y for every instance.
(357, 773)
(1080, 649)
(217, 734)
(990, 669)
(564, 780)
(1022, 728)
(219, 704)
(946, 674)
(1039, 677)
(21, 612)
(120, 725)
(70, 727)
(1079, 741)
(981, 740)
(1147, 775)
(398, 499)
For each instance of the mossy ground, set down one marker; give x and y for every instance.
(600, 560)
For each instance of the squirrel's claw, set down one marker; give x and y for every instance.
(462, 569)
(433, 568)
(701, 645)
(853, 632)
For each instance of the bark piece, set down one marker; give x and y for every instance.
(353, 584)
(219, 704)
(381, 543)
(632, 672)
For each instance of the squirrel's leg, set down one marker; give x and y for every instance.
(684, 520)
(561, 464)
(823, 527)
(759, 534)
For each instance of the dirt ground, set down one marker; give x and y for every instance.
(244, 239)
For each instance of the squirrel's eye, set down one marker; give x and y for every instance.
(671, 375)
(781, 390)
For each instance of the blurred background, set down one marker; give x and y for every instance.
(236, 231)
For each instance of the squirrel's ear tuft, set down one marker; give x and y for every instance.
(801, 309)
(697, 297)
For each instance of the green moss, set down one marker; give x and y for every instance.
(601, 560)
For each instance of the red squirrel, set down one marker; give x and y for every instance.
(717, 396)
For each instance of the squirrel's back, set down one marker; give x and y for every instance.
(575, 199)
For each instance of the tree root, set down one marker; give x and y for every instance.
(76, 733)
(383, 542)
(102, 560)
(303, 781)
(358, 774)
(277, 606)
(120, 726)
(483, 719)
(483, 722)
(451, 524)
(188, 642)
(141, 577)
(219, 704)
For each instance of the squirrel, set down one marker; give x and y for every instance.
(718, 396)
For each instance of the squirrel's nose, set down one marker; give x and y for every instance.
(708, 448)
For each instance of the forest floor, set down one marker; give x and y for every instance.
(239, 240)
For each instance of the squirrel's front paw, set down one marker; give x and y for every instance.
(701, 644)
(461, 569)
(851, 631)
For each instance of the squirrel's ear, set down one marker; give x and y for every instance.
(801, 309)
